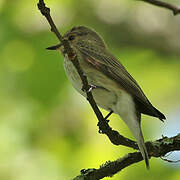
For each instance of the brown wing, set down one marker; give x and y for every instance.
(111, 67)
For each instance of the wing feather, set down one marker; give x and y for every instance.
(111, 67)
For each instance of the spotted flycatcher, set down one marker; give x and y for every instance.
(114, 89)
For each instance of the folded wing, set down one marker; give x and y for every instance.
(105, 62)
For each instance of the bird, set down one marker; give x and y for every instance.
(113, 88)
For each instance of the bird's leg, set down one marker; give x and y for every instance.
(103, 125)
(108, 115)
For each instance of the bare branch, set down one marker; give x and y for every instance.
(175, 9)
(45, 11)
(157, 148)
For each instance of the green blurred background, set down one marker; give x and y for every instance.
(47, 130)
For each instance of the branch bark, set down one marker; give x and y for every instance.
(175, 9)
(156, 149)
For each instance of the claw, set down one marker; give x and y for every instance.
(91, 88)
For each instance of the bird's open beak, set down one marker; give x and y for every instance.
(54, 47)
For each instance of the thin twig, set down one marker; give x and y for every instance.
(175, 9)
(45, 11)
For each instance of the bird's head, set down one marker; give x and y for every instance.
(81, 34)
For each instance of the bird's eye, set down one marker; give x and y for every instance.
(71, 38)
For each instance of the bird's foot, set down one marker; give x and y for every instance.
(92, 87)
(103, 125)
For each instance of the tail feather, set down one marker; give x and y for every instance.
(135, 127)
(159, 114)
(142, 148)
